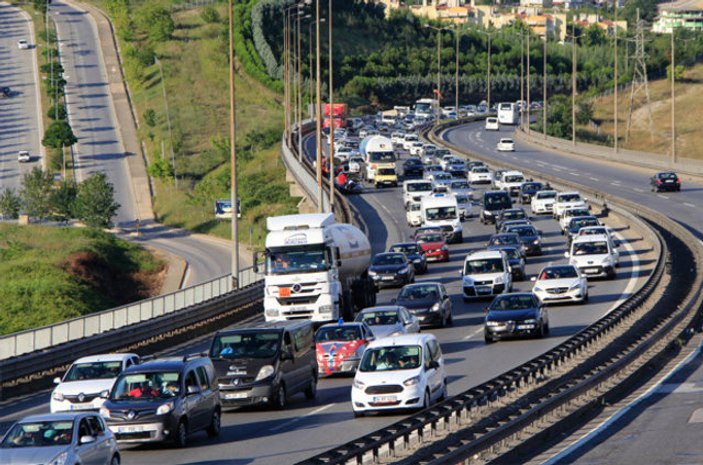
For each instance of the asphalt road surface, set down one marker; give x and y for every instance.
(19, 113)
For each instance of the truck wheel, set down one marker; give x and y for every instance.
(346, 311)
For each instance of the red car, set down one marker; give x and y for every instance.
(433, 246)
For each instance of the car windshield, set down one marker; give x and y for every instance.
(303, 259)
(577, 224)
(479, 169)
(590, 248)
(515, 178)
(419, 292)
(463, 199)
(668, 176)
(443, 176)
(497, 201)
(514, 215)
(433, 168)
(39, 434)
(391, 358)
(569, 198)
(576, 212)
(460, 185)
(260, 344)
(512, 302)
(558, 272)
(134, 387)
(440, 213)
(504, 239)
(506, 141)
(379, 318)
(523, 231)
(419, 187)
(413, 162)
(386, 171)
(389, 259)
(93, 370)
(429, 237)
(338, 333)
(489, 265)
(590, 231)
(531, 187)
(406, 249)
(546, 195)
(382, 157)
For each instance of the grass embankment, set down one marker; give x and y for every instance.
(689, 98)
(196, 79)
(52, 274)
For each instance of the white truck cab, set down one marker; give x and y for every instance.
(485, 274)
(594, 255)
(442, 210)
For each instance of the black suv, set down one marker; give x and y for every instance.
(493, 203)
(265, 363)
(164, 400)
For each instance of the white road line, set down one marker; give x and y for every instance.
(297, 419)
(556, 169)
(594, 179)
(689, 204)
(475, 333)
(574, 174)
(663, 196)
(637, 190)
(634, 271)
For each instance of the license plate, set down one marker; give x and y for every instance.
(80, 406)
(483, 289)
(387, 278)
(236, 395)
(525, 326)
(385, 399)
(130, 429)
(590, 270)
(668, 181)
(284, 291)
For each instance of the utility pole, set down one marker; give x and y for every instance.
(331, 147)
(529, 88)
(673, 96)
(615, 78)
(573, 83)
(544, 84)
(522, 80)
(456, 77)
(318, 113)
(488, 74)
(233, 157)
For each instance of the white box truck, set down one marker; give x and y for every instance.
(442, 210)
(316, 269)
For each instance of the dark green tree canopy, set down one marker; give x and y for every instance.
(95, 202)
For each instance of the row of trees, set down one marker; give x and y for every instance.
(91, 202)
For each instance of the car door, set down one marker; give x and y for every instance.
(435, 376)
(193, 400)
(208, 394)
(410, 322)
(446, 302)
(89, 452)
(103, 444)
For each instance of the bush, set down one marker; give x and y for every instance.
(150, 117)
(210, 14)
(10, 203)
(156, 21)
(57, 112)
(59, 134)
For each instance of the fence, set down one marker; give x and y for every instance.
(48, 336)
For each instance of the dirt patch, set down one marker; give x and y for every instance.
(115, 284)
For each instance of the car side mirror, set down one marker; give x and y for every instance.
(192, 390)
(57, 380)
(285, 355)
(434, 364)
(393, 300)
(567, 255)
(533, 279)
(104, 394)
(87, 439)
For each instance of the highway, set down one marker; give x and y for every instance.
(308, 427)
(20, 123)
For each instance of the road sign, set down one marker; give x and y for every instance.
(223, 209)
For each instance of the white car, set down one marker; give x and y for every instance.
(492, 124)
(480, 175)
(505, 145)
(595, 230)
(414, 214)
(510, 182)
(431, 170)
(560, 283)
(566, 200)
(22, 44)
(465, 205)
(408, 140)
(356, 164)
(403, 372)
(24, 157)
(86, 378)
(594, 255)
(415, 148)
(570, 213)
(486, 273)
(543, 202)
(415, 189)
(428, 149)
(389, 320)
(461, 187)
(441, 179)
(397, 137)
(344, 153)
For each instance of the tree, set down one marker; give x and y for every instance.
(10, 203)
(59, 134)
(584, 112)
(150, 117)
(63, 199)
(157, 22)
(36, 193)
(210, 14)
(679, 72)
(95, 201)
(57, 109)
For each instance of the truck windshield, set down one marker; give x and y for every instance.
(490, 265)
(440, 213)
(297, 260)
(382, 157)
(246, 345)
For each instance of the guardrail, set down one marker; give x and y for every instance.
(45, 337)
(468, 408)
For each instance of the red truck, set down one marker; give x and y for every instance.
(339, 112)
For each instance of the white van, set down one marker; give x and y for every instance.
(414, 190)
(485, 274)
(594, 255)
(442, 210)
(414, 214)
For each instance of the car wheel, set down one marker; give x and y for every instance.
(215, 425)
(450, 319)
(585, 298)
(358, 414)
(115, 460)
(445, 393)
(311, 391)
(427, 401)
(181, 437)
(488, 339)
(279, 400)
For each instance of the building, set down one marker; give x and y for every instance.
(670, 19)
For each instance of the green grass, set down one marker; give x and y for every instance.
(52, 274)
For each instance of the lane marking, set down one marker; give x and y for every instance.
(663, 196)
(574, 174)
(689, 204)
(637, 190)
(594, 179)
(297, 419)
(475, 333)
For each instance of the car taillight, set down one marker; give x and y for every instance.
(677, 181)
(659, 181)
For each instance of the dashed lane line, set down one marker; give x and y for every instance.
(297, 419)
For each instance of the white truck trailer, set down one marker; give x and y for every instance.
(316, 269)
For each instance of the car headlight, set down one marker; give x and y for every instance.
(537, 289)
(104, 412)
(372, 273)
(358, 384)
(468, 281)
(412, 381)
(57, 396)
(403, 270)
(165, 408)
(536, 242)
(264, 372)
(576, 285)
(607, 261)
(487, 213)
(492, 323)
(500, 280)
(272, 312)
(530, 321)
(435, 307)
(59, 459)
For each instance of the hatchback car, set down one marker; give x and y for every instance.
(516, 261)
(388, 320)
(428, 301)
(510, 214)
(528, 190)
(22, 44)
(59, 438)
(512, 239)
(515, 315)
(86, 378)
(492, 124)
(403, 372)
(164, 400)
(665, 181)
(493, 203)
(391, 269)
(434, 246)
(560, 283)
(413, 167)
(414, 254)
(339, 346)
(24, 157)
(530, 237)
(505, 145)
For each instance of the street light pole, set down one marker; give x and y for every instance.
(615, 78)
(233, 157)
(573, 83)
(488, 74)
(529, 88)
(544, 84)
(439, 69)
(318, 113)
(311, 80)
(522, 80)
(456, 77)
(673, 97)
(331, 103)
